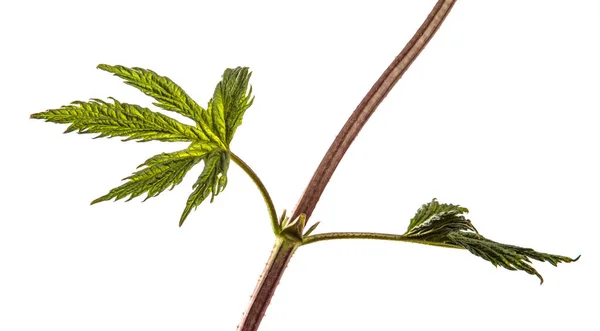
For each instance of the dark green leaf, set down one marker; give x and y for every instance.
(507, 256)
(437, 223)
(434, 219)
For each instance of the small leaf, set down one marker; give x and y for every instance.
(211, 181)
(283, 219)
(120, 120)
(311, 229)
(292, 229)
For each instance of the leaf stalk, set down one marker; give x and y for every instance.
(263, 191)
(371, 235)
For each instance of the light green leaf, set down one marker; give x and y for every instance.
(232, 97)
(196, 149)
(211, 181)
(210, 138)
(160, 172)
(169, 96)
(120, 120)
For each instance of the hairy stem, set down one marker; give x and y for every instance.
(280, 256)
(269, 279)
(365, 109)
(370, 235)
(261, 188)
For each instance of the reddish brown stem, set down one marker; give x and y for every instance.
(269, 279)
(284, 249)
(366, 108)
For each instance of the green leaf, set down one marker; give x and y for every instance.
(435, 219)
(231, 99)
(437, 223)
(507, 256)
(211, 181)
(160, 172)
(120, 120)
(168, 94)
(210, 138)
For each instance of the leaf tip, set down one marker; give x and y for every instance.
(539, 276)
(311, 229)
(100, 199)
(185, 214)
(182, 219)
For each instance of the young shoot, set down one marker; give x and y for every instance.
(209, 139)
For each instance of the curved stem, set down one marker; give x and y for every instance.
(365, 109)
(310, 197)
(261, 188)
(370, 235)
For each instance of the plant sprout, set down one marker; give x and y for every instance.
(209, 138)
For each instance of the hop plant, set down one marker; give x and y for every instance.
(209, 138)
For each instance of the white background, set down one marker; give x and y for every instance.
(499, 114)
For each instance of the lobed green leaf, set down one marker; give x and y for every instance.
(231, 99)
(211, 181)
(160, 172)
(210, 138)
(120, 120)
(169, 96)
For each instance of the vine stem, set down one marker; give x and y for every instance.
(261, 188)
(259, 301)
(367, 107)
(284, 249)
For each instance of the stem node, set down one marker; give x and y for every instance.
(284, 248)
